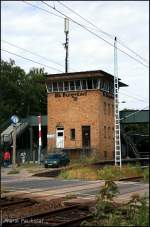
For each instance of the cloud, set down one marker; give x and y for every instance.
(43, 33)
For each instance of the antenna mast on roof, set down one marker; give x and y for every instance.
(116, 109)
(66, 30)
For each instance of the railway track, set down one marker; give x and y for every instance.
(9, 203)
(67, 216)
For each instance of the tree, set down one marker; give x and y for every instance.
(21, 93)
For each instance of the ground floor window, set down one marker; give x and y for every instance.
(72, 134)
(86, 136)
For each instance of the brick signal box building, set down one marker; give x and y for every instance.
(81, 112)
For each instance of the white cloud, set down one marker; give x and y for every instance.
(43, 33)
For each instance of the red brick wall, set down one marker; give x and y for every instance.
(86, 110)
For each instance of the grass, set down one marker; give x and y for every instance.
(3, 190)
(108, 213)
(146, 175)
(16, 171)
(106, 173)
(86, 173)
(31, 167)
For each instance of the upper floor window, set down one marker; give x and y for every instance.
(60, 86)
(104, 107)
(55, 87)
(78, 85)
(109, 109)
(89, 84)
(104, 131)
(84, 84)
(50, 87)
(72, 85)
(66, 86)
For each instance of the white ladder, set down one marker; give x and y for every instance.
(116, 110)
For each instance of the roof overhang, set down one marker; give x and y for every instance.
(83, 75)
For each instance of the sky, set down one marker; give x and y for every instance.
(41, 32)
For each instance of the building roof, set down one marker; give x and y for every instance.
(134, 116)
(84, 75)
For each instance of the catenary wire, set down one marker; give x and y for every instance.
(36, 54)
(42, 9)
(142, 100)
(81, 25)
(32, 60)
(105, 33)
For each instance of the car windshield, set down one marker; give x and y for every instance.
(54, 156)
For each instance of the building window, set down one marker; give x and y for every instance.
(104, 107)
(55, 87)
(60, 86)
(105, 154)
(112, 109)
(102, 85)
(83, 84)
(78, 86)
(105, 132)
(109, 133)
(109, 109)
(66, 86)
(89, 83)
(50, 87)
(72, 134)
(113, 133)
(95, 84)
(72, 87)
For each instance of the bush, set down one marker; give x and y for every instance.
(108, 213)
(146, 174)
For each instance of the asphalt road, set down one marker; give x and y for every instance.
(37, 184)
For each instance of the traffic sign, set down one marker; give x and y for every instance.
(14, 119)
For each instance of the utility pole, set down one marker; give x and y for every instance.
(14, 147)
(66, 30)
(116, 109)
(40, 139)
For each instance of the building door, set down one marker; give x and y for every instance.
(86, 140)
(60, 138)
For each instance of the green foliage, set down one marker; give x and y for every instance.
(107, 213)
(108, 191)
(146, 174)
(21, 93)
(13, 171)
(115, 173)
(137, 128)
(64, 174)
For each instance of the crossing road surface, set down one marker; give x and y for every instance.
(57, 186)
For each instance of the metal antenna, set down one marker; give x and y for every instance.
(116, 109)
(66, 30)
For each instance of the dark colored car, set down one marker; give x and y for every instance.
(56, 160)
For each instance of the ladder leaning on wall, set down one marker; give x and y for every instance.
(116, 110)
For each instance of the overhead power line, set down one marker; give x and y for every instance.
(138, 97)
(32, 60)
(36, 54)
(102, 31)
(94, 34)
(133, 113)
(142, 100)
(119, 41)
(42, 9)
(105, 33)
